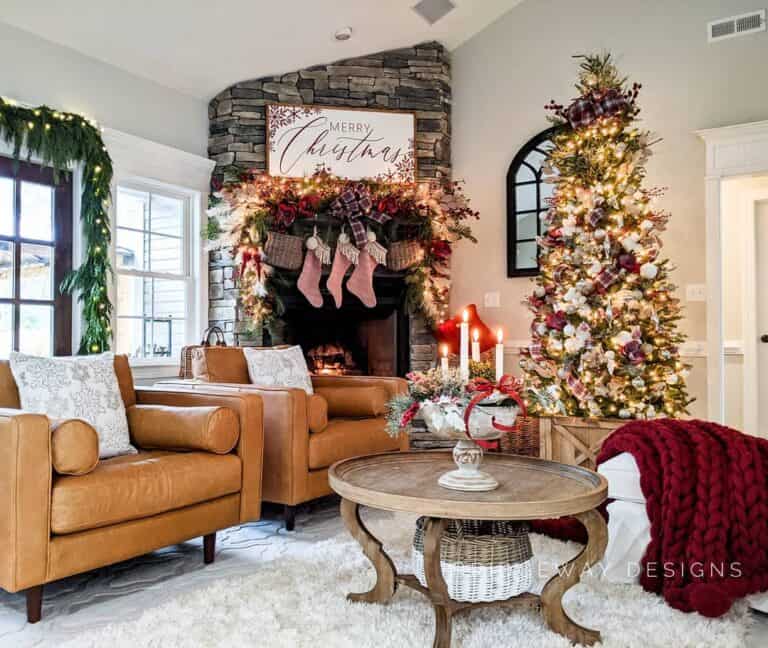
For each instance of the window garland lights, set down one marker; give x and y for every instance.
(61, 140)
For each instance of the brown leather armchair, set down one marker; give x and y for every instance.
(63, 511)
(303, 435)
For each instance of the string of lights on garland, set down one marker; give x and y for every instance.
(434, 214)
(61, 140)
(604, 333)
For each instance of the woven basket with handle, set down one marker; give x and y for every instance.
(284, 250)
(404, 254)
(212, 336)
(480, 561)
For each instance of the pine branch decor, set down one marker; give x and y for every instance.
(604, 334)
(61, 140)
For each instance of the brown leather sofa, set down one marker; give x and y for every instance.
(64, 511)
(303, 435)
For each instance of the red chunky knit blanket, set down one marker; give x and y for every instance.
(706, 488)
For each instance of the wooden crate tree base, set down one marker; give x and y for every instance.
(573, 440)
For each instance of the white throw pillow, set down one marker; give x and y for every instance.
(278, 368)
(82, 387)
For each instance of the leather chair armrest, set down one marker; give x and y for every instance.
(286, 435)
(26, 473)
(354, 402)
(393, 386)
(207, 428)
(250, 444)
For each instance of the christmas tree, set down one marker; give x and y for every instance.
(604, 332)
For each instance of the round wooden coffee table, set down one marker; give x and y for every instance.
(530, 489)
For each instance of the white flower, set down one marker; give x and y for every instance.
(599, 234)
(622, 338)
(569, 330)
(624, 413)
(649, 270)
(574, 344)
(672, 379)
(594, 269)
(541, 328)
(630, 243)
(646, 225)
(539, 291)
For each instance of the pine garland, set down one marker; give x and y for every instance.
(60, 140)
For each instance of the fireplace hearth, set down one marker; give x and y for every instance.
(353, 339)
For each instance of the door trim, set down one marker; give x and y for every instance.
(731, 151)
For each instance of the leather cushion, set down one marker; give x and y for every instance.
(130, 487)
(344, 438)
(213, 429)
(317, 413)
(74, 447)
(220, 364)
(354, 402)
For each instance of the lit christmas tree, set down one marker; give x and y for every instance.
(604, 333)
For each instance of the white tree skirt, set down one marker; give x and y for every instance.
(269, 588)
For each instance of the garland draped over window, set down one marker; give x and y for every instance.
(60, 140)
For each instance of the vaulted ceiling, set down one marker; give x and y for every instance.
(200, 47)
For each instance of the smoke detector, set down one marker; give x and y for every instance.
(434, 10)
(740, 25)
(343, 34)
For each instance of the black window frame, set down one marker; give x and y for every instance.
(531, 145)
(20, 172)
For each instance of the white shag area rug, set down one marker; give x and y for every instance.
(299, 601)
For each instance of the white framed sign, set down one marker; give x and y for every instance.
(350, 143)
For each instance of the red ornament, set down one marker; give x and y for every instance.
(447, 332)
(557, 321)
(441, 249)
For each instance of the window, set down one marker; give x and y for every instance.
(153, 269)
(35, 256)
(526, 205)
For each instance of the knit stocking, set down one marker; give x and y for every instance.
(360, 283)
(346, 255)
(309, 279)
(339, 268)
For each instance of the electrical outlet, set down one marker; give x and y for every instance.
(492, 300)
(696, 292)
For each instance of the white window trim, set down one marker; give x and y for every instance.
(137, 161)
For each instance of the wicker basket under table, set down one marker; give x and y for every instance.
(481, 561)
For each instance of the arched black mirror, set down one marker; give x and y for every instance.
(526, 205)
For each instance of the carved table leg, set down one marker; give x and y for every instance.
(569, 575)
(438, 590)
(385, 586)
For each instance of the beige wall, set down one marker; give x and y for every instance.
(505, 74)
(37, 71)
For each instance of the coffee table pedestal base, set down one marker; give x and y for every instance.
(436, 591)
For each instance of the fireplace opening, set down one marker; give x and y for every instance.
(353, 339)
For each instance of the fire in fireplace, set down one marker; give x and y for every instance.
(332, 360)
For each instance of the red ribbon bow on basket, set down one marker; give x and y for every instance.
(483, 388)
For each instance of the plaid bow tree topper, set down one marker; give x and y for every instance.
(354, 205)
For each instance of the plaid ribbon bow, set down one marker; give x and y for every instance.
(585, 110)
(577, 387)
(353, 205)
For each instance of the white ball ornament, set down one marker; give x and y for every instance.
(569, 329)
(672, 379)
(371, 236)
(343, 238)
(312, 243)
(624, 413)
(649, 270)
(599, 234)
(638, 383)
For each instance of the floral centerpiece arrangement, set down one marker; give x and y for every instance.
(466, 411)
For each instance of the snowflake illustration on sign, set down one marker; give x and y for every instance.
(279, 117)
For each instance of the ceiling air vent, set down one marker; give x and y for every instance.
(734, 26)
(434, 10)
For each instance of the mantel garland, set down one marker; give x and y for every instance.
(60, 140)
(433, 214)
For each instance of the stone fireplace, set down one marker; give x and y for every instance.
(379, 341)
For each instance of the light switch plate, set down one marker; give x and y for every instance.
(492, 300)
(696, 292)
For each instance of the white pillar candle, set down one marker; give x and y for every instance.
(476, 345)
(464, 347)
(444, 361)
(499, 355)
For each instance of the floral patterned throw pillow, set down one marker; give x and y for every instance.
(278, 368)
(83, 387)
